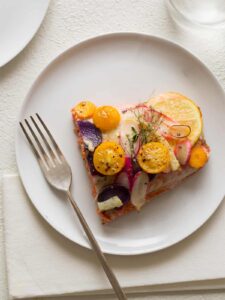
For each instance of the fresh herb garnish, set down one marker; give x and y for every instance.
(148, 123)
(131, 145)
(135, 135)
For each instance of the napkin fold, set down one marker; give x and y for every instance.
(41, 262)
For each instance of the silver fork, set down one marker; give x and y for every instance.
(58, 174)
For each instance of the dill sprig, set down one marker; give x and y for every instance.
(135, 135)
(131, 145)
(146, 129)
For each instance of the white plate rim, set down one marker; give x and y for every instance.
(20, 49)
(36, 81)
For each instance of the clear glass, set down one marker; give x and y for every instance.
(202, 12)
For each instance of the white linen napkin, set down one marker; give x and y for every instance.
(41, 262)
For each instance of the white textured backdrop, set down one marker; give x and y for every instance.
(70, 21)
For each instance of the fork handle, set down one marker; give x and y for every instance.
(95, 246)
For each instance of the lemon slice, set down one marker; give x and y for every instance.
(180, 109)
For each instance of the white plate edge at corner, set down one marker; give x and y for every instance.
(29, 39)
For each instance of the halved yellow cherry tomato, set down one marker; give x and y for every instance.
(153, 157)
(84, 110)
(198, 157)
(109, 158)
(106, 118)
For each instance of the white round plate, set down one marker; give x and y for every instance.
(124, 69)
(19, 21)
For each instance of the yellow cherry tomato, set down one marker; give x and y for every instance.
(153, 157)
(84, 110)
(106, 118)
(109, 158)
(198, 157)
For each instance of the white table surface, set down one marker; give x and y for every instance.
(70, 21)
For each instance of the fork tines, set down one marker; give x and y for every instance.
(41, 141)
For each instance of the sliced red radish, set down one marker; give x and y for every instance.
(183, 151)
(128, 164)
(164, 130)
(147, 115)
(133, 108)
(149, 112)
(150, 115)
(162, 121)
(164, 117)
(165, 125)
(123, 180)
(128, 169)
(137, 146)
(139, 189)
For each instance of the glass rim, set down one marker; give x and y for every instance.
(189, 20)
